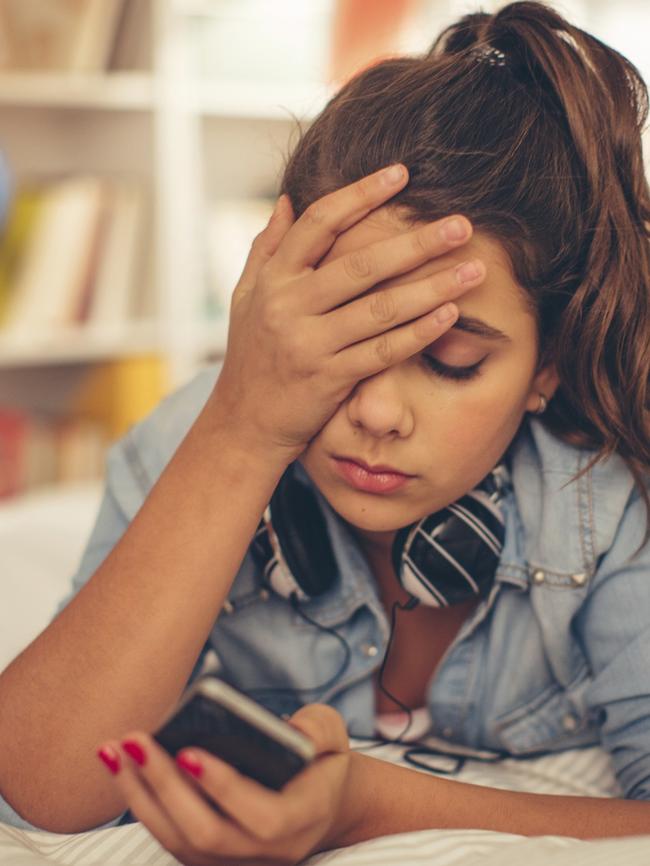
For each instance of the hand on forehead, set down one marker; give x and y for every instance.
(498, 297)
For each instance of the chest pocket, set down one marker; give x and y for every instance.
(553, 720)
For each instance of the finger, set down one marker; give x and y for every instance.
(275, 819)
(323, 725)
(265, 814)
(316, 229)
(178, 797)
(266, 242)
(371, 356)
(374, 313)
(144, 805)
(348, 276)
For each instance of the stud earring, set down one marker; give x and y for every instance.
(543, 403)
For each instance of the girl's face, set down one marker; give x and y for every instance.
(448, 433)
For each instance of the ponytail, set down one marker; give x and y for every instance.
(532, 128)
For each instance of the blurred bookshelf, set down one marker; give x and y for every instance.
(123, 91)
(160, 133)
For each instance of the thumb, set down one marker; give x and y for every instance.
(266, 242)
(323, 725)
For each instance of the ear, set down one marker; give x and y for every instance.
(546, 383)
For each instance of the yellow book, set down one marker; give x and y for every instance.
(120, 393)
(15, 240)
(56, 269)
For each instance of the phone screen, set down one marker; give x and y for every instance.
(208, 725)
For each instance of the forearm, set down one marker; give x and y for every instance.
(119, 655)
(396, 800)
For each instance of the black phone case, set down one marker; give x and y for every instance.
(207, 725)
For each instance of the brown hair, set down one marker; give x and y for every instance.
(531, 128)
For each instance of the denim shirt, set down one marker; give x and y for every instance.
(557, 656)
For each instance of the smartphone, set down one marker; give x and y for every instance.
(214, 716)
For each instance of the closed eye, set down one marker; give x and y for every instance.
(449, 372)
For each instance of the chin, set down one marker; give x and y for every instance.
(381, 513)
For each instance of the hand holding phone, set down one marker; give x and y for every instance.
(214, 716)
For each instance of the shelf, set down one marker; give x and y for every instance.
(78, 345)
(83, 344)
(122, 91)
(275, 101)
(135, 91)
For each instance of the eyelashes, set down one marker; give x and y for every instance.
(462, 374)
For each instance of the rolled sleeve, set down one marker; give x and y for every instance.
(614, 627)
(8, 815)
(133, 464)
(110, 525)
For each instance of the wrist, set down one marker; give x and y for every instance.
(241, 441)
(354, 816)
(242, 438)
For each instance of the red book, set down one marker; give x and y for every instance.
(14, 431)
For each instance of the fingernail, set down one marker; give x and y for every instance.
(468, 271)
(135, 750)
(110, 757)
(455, 229)
(189, 763)
(445, 313)
(393, 174)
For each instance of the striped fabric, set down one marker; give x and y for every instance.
(585, 772)
(452, 555)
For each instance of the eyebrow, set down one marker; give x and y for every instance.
(480, 328)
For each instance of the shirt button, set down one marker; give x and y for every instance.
(264, 594)
(448, 733)
(538, 576)
(569, 722)
(579, 579)
(369, 649)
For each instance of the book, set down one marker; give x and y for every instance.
(118, 267)
(13, 435)
(37, 34)
(118, 394)
(54, 274)
(37, 451)
(80, 445)
(93, 41)
(15, 237)
(133, 43)
(58, 35)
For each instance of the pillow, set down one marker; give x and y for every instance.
(42, 536)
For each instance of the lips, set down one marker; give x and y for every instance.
(366, 479)
(377, 469)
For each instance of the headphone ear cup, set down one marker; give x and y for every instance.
(399, 543)
(302, 535)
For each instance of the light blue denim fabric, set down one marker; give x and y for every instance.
(556, 657)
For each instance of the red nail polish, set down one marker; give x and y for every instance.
(190, 764)
(110, 758)
(135, 750)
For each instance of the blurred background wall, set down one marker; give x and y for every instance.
(141, 144)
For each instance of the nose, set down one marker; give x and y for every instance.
(379, 405)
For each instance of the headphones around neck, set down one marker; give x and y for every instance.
(443, 559)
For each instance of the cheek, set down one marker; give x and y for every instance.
(477, 422)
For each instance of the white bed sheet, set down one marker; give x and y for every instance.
(41, 539)
(580, 772)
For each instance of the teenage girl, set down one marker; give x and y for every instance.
(419, 479)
